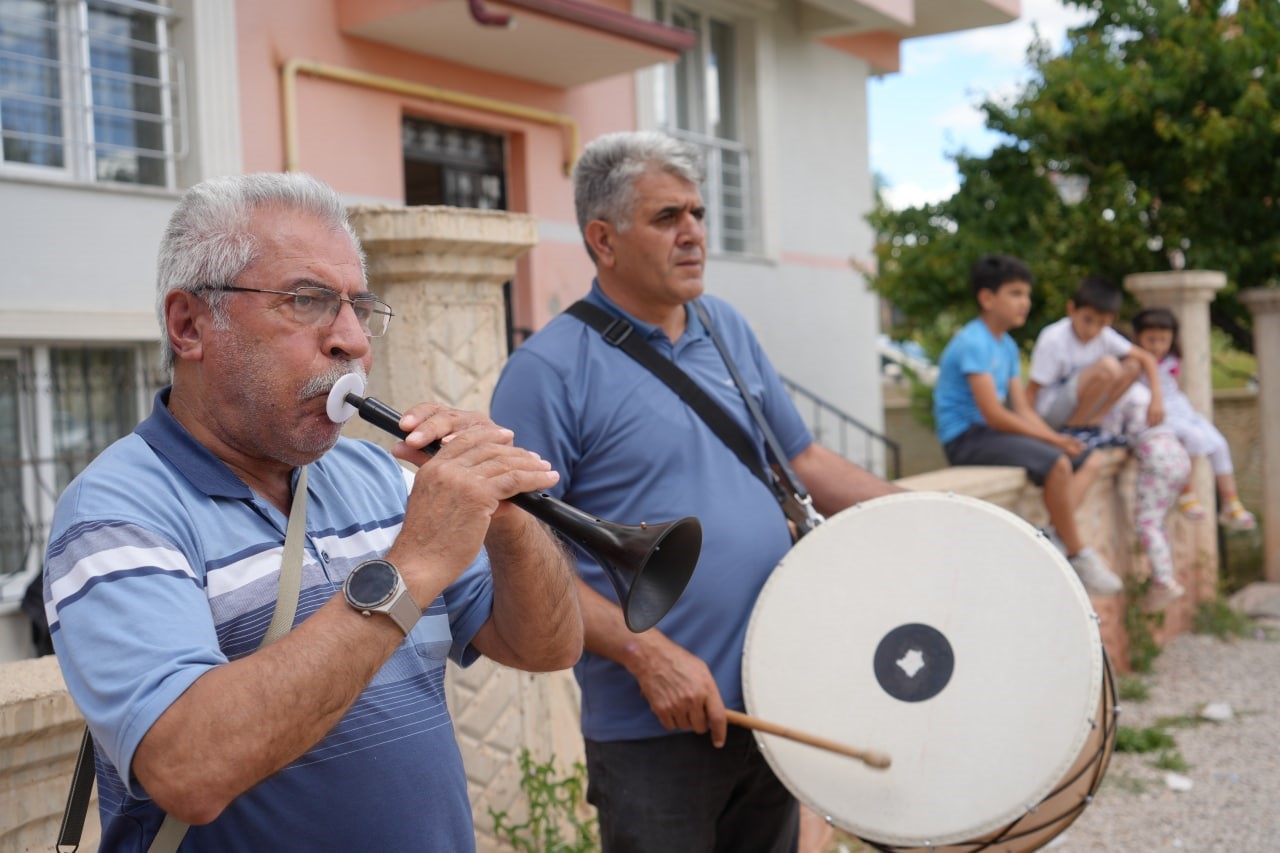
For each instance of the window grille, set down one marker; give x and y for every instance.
(90, 90)
(59, 408)
(726, 191)
(698, 100)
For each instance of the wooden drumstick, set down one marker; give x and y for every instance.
(870, 757)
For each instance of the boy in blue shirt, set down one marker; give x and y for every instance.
(984, 417)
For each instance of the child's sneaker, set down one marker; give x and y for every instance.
(1094, 573)
(1095, 437)
(1235, 517)
(1190, 507)
(1161, 595)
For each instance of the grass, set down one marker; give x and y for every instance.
(1139, 625)
(1171, 760)
(1240, 560)
(1131, 688)
(1231, 368)
(1219, 619)
(1150, 739)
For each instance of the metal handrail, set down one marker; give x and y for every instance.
(821, 411)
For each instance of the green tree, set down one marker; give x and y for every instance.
(1167, 112)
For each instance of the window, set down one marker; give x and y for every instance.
(59, 408)
(698, 99)
(89, 90)
(457, 166)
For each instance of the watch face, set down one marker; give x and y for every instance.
(372, 583)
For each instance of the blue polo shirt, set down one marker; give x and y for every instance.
(162, 565)
(629, 450)
(973, 349)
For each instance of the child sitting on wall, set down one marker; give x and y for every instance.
(1080, 366)
(983, 416)
(1156, 332)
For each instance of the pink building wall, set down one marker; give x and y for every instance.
(350, 136)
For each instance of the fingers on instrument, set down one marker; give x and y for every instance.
(648, 564)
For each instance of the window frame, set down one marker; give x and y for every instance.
(731, 164)
(38, 458)
(83, 151)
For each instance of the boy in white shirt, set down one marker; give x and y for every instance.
(1081, 367)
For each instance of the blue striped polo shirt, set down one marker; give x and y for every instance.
(162, 565)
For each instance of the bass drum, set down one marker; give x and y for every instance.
(951, 635)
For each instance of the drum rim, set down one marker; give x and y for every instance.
(1012, 814)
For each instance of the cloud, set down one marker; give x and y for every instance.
(961, 117)
(906, 195)
(1006, 45)
(931, 109)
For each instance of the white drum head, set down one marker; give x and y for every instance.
(939, 629)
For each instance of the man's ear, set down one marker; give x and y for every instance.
(186, 317)
(599, 236)
(985, 295)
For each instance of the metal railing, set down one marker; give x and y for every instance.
(839, 431)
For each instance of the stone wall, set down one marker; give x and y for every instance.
(40, 732)
(1235, 414)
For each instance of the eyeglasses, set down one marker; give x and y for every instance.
(319, 306)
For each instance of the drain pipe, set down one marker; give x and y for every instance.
(485, 17)
(289, 106)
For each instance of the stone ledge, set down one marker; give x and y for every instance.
(40, 732)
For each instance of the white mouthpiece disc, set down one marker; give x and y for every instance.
(337, 407)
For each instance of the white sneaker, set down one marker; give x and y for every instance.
(1094, 573)
(1161, 595)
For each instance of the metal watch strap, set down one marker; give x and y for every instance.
(401, 606)
(404, 611)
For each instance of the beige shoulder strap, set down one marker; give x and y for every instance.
(172, 831)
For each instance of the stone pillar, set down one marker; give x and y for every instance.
(441, 269)
(1264, 302)
(1187, 293)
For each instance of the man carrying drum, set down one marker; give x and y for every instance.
(628, 448)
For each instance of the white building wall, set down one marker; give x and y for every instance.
(811, 309)
(79, 262)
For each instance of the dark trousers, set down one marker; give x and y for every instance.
(680, 793)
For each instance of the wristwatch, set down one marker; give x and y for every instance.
(375, 586)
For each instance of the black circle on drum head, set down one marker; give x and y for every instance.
(914, 662)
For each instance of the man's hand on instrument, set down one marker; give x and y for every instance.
(477, 445)
(678, 685)
(457, 492)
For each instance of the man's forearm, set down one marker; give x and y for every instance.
(243, 721)
(834, 482)
(536, 623)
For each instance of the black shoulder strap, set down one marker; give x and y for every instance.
(617, 331)
(78, 797)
